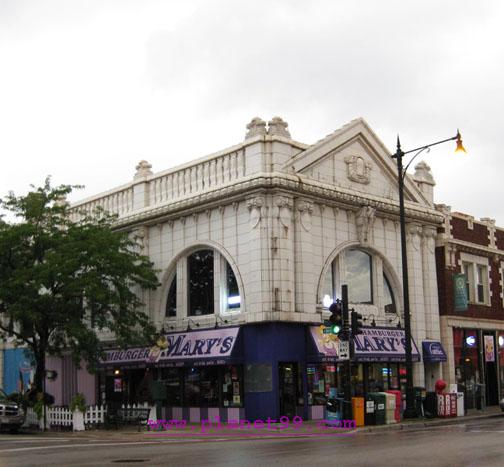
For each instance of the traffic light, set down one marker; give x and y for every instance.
(356, 320)
(336, 317)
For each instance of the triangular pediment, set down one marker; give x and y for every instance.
(355, 159)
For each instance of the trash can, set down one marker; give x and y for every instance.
(380, 406)
(369, 412)
(358, 410)
(390, 407)
(398, 403)
(334, 411)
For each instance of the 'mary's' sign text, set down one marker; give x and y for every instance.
(181, 346)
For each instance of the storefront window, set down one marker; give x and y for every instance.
(500, 350)
(232, 386)
(465, 346)
(173, 380)
(322, 381)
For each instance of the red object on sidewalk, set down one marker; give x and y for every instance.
(440, 386)
(398, 403)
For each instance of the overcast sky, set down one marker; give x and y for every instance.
(89, 88)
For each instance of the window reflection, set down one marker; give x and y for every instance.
(358, 276)
(201, 283)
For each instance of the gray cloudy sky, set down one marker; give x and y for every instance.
(88, 88)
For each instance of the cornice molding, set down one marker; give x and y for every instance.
(296, 185)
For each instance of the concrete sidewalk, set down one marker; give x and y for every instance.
(311, 428)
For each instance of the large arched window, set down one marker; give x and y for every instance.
(204, 283)
(365, 277)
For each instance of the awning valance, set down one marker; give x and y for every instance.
(212, 346)
(383, 345)
(433, 352)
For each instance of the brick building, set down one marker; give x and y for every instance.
(470, 267)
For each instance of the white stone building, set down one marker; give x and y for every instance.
(251, 243)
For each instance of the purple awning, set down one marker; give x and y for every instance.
(383, 345)
(212, 345)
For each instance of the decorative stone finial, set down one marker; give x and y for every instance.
(423, 174)
(276, 126)
(257, 126)
(143, 169)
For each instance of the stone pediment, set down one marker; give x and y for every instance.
(355, 159)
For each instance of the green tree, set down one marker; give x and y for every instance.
(62, 282)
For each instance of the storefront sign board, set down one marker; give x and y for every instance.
(200, 345)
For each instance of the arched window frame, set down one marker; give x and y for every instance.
(180, 271)
(379, 274)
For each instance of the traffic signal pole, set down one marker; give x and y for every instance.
(347, 370)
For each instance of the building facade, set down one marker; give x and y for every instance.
(470, 262)
(253, 244)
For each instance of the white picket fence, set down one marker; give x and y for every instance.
(58, 417)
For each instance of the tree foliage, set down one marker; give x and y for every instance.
(62, 282)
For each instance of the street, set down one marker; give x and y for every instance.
(476, 443)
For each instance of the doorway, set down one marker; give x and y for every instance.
(492, 390)
(288, 390)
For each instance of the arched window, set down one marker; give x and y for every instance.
(171, 303)
(360, 271)
(200, 287)
(389, 301)
(210, 286)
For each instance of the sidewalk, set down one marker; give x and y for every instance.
(311, 428)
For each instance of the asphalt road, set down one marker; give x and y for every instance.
(477, 443)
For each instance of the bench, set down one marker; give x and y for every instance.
(133, 416)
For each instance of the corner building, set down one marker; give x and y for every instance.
(253, 243)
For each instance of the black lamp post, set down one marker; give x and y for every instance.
(410, 411)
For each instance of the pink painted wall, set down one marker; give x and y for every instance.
(86, 384)
(55, 387)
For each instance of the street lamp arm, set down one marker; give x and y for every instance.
(426, 148)
(421, 148)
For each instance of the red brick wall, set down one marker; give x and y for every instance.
(460, 231)
(499, 239)
(445, 289)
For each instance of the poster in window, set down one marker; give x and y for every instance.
(489, 349)
(236, 399)
(236, 387)
(117, 385)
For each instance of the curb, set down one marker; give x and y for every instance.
(428, 422)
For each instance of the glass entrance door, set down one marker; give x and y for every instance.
(288, 377)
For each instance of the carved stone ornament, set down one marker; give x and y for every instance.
(358, 170)
(255, 207)
(276, 126)
(414, 233)
(257, 126)
(364, 220)
(141, 238)
(284, 205)
(429, 238)
(305, 209)
(143, 169)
